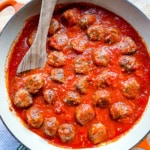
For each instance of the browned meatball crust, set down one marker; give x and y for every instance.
(101, 98)
(50, 126)
(56, 59)
(34, 83)
(130, 88)
(97, 133)
(84, 114)
(34, 117)
(72, 98)
(66, 132)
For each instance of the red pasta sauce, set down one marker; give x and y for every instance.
(121, 53)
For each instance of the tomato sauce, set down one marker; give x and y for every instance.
(66, 113)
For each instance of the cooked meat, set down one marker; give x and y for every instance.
(72, 98)
(50, 126)
(58, 75)
(34, 83)
(96, 32)
(81, 65)
(101, 98)
(87, 20)
(22, 98)
(71, 16)
(56, 59)
(54, 26)
(58, 41)
(120, 110)
(130, 88)
(34, 117)
(97, 133)
(84, 114)
(78, 44)
(106, 79)
(112, 36)
(101, 56)
(50, 96)
(66, 132)
(82, 84)
(127, 45)
(128, 63)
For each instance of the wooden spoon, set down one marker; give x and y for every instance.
(36, 55)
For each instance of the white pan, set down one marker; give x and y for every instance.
(122, 8)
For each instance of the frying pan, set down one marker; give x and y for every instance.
(120, 7)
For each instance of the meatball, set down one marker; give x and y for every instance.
(66, 132)
(54, 26)
(58, 41)
(106, 79)
(78, 44)
(84, 114)
(31, 37)
(34, 83)
(72, 98)
(81, 65)
(97, 133)
(57, 75)
(50, 126)
(50, 96)
(130, 88)
(96, 32)
(56, 59)
(112, 36)
(101, 56)
(87, 20)
(128, 63)
(34, 117)
(101, 98)
(82, 84)
(22, 98)
(120, 110)
(127, 45)
(71, 16)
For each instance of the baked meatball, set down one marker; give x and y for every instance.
(34, 83)
(84, 114)
(97, 133)
(128, 63)
(78, 44)
(31, 37)
(86, 20)
(71, 16)
(34, 117)
(50, 126)
(130, 88)
(72, 98)
(82, 84)
(56, 59)
(127, 45)
(112, 36)
(58, 41)
(57, 75)
(66, 132)
(106, 79)
(50, 96)
(101, 98)
(22, 98)
(54, 26)
(120, 110)
(96, 32)
(81, 65)
(101, 56)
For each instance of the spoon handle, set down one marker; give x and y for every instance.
(36, 55)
